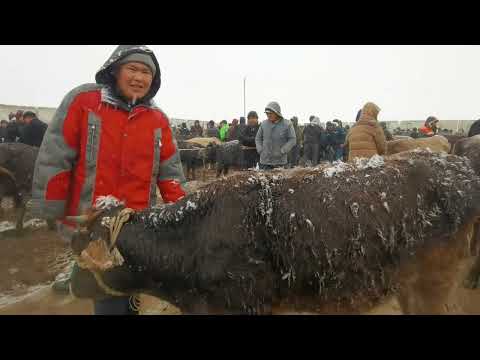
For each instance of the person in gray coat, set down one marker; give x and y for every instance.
(275, 138)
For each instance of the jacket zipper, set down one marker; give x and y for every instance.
(91, 142)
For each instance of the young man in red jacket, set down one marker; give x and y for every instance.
(109, 138)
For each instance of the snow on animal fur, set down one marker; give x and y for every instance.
(338, 236)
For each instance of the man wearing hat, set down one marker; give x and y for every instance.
(108, 138)
(247, 139)
(34, 129)
(275, 138)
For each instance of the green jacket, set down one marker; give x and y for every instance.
(223, 132)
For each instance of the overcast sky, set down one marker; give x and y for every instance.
(206, 82)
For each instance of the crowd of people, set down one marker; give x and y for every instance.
(314, 142)
(24, 127)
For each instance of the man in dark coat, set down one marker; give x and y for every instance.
(331, 142)
(311, 141)
(247, 138)
(34, 129)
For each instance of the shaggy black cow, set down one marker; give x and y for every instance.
(17, 163)
(226, 155)
(193, 156)
(334, 239)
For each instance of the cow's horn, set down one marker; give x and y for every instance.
(80, 219)
(7, 172)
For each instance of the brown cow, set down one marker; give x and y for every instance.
(435, 143)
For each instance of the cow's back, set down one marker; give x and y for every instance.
(20, 160)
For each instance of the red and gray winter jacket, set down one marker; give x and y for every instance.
(98, 145)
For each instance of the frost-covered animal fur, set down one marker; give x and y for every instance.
(315, 239)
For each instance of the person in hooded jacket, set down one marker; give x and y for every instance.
(430, 127)
(312, 137)
(275, 138)
(366, 138)
(91, 149)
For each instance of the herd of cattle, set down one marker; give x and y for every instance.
(200, 153)
(267, 246)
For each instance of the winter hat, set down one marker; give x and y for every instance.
(29, 114)
(274, 107)
(252, 114)
(369, 112)
(141, 58)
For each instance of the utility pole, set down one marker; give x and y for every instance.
(244, 97)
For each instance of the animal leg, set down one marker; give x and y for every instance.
(51, 225)
(20, 216)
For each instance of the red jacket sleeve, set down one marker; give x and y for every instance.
(56, 158)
